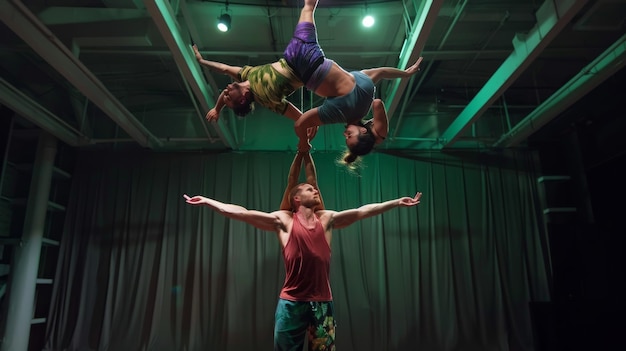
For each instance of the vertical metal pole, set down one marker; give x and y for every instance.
(24, 270)
(6, 155)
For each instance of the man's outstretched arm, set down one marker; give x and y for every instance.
(261, 220)
(292, 180)
(311, 177)
(345, 218)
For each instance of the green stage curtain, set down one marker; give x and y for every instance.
(140, 269)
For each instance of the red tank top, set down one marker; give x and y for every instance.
(307, 264)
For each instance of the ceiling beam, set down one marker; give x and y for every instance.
(28, 27)
(552, 17)
(413, 46)
(54, 15)
(441, 55)
(28, 108)
(113, 41)
(165, 20)
(424, 71)
(604, 66)
(209, 8)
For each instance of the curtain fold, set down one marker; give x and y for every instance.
(139, 269)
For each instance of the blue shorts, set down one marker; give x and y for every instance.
(305, 56)
(351, 107)
(294, 318)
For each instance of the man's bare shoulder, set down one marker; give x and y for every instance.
(283, 215)
(326, 218)
(325, 214)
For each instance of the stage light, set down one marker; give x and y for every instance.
(368, 20)
(223, 22)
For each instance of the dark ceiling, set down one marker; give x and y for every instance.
(119, 73)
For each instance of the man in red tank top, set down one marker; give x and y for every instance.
(304, 229)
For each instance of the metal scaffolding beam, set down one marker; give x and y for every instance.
(165, 20)
(32, 111)
(28, 27)
(604, 66)
(553, 16)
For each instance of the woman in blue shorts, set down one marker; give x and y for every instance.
(350, 95)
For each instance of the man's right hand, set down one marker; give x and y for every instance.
(212, 115)
(304, 146)
(194, 200)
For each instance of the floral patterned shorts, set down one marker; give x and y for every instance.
(294, 318)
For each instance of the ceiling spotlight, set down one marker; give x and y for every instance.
(368, 20)
(223, 22)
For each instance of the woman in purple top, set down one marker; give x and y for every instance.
(350, 95)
